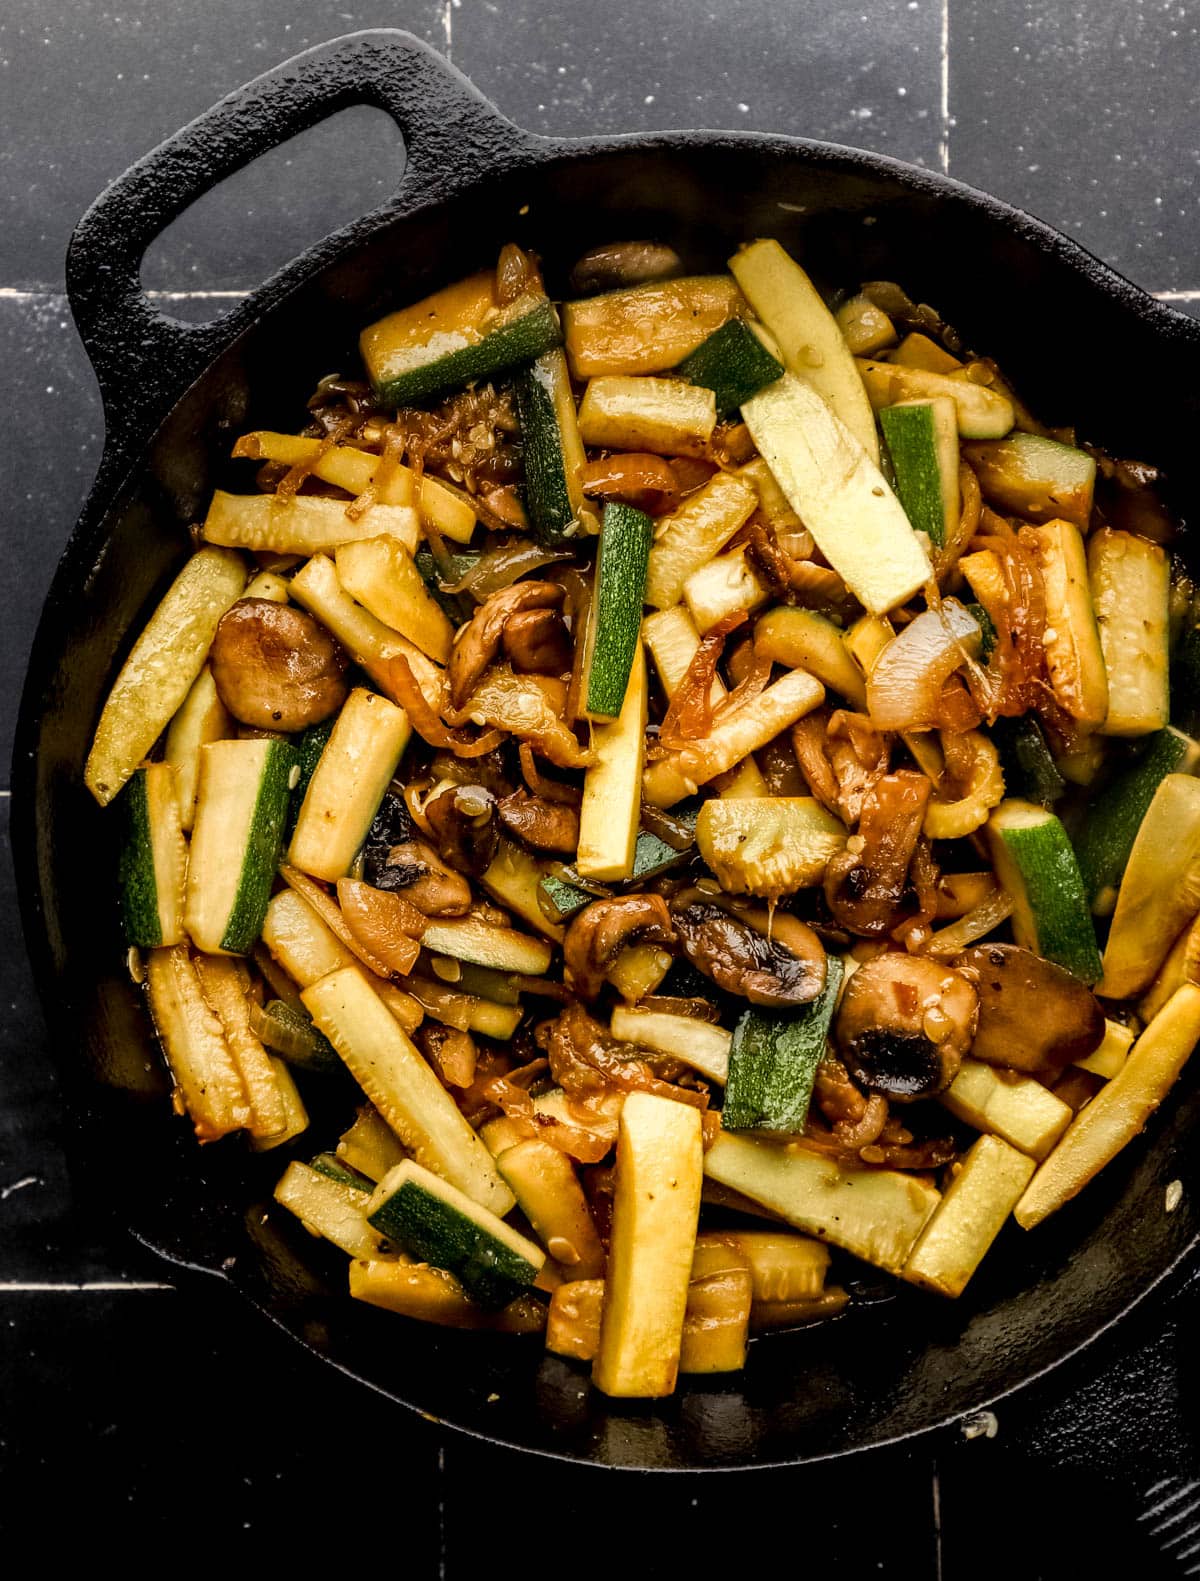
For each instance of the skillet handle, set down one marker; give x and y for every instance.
(143, 359)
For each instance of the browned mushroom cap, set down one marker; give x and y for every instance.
(536, 642)
(414, 869)
(545, 825)
(783, 967)
(904, 1024)
(463, 820)
(479, 642)
(602, 930)
(616, 264)
(1033, 1015)
(275, 667)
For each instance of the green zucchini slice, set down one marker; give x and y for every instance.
(734, 363)
(773, 1060)
(554, 453)
(616, 626)
(153, 865)
(1036, 866)
(439, 1224)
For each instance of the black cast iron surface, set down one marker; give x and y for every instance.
(1143, 1404)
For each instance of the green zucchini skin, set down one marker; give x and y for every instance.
(561, 900)
(456, 606)
(329, 1165)
(908, 432)
(292, 1035)
(625, 535)
(1057, 900)
(263, 850)
(773, 1061)
(1029, 768)
(308, 754)
(547, 495)
(1106, 838)
(987, 630)
(524, 339)
(435, 1231)
(733, 363)
(651, 856)
(135, 872)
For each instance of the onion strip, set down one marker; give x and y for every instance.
(974, 925)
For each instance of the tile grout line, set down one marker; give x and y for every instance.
(937, 1522)
(88, 1287)
(441, 1511)
(944, 144)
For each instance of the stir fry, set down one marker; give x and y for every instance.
(702, 764)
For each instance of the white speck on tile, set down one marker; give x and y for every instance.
(1174, 1195)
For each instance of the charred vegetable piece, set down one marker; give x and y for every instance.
(1033, 1015)
(773, 1060)
(786, 968)
(865, 888)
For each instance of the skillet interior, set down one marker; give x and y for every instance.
(1082, 347)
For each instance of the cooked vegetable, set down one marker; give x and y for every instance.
(1119, 1111)
(304, 524)
(734, 734)
(436, 1223)
(807, 334)
(716, 1323)
(734, 363)
(1130, 582)
(688, 537)
(1036, 865)
(922, 441)
(449, 511)
(433, 1296)
(160, 670)
(1106, 838)
(1037, 479)
(331, 1209)
(981, 413)
(773, 1060)
(382, 575)
(1016, 1108)
(153, 865)
(969, 1216)
(647, 329)
(1074, 655)
(616, 623)
(839, 493)
(1160, 890)
(700, 1044)
(904, 689)
(554, 453)
(656, 1207)
(461, 333)
(348, 783)
(1033, 1015)
(875, 1213)
(207, 1083)
(402, 1086)
(600, 988)
(769, 846)
(612, 787)
(904, 1025)
(804, 640)
(202, 718)
(241, 807)
(659, 415)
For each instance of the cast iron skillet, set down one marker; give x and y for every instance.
(1083, 345)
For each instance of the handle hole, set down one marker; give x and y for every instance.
(258, 219)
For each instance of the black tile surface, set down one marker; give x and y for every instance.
(1082, 112)
(1085, 112)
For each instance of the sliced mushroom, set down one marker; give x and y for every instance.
(616, 264)
(275, 667)
(463, 817)
(414, 869)
(865, 884)
(479, 642)
(905, 1024)
(542, 824)
(536, 642)
(602, 930)
(1033, 1015)
(785, 966)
